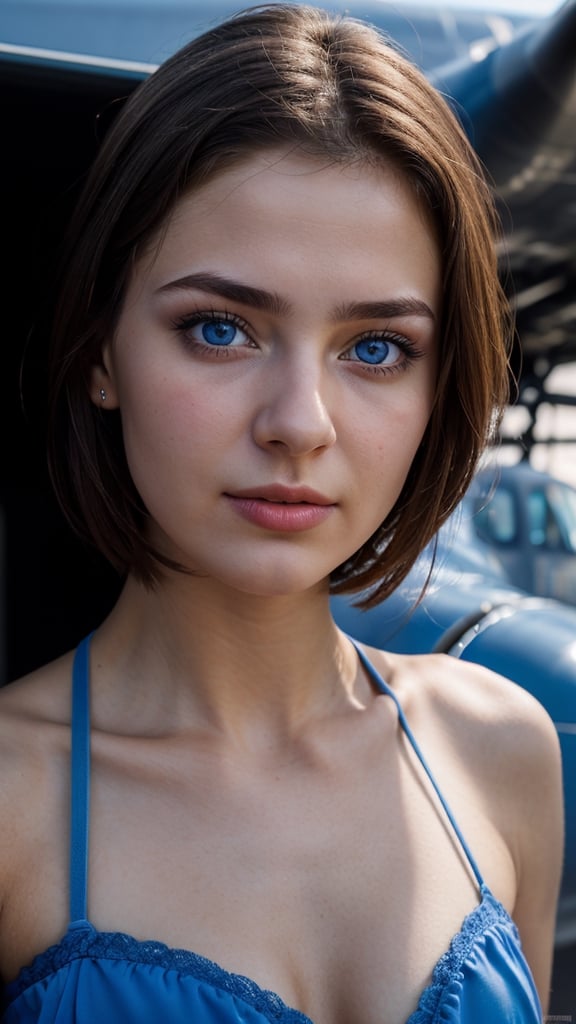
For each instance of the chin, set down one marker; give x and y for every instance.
(260, 574)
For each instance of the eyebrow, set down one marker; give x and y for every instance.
(271, 302)
(387, 309)
(258, 298)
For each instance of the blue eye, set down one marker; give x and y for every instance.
(374, 350)
(382, 353)
(218, 332)
(212, 330)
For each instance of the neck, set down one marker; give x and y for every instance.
(195, 653)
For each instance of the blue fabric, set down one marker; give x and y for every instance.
(91, 977)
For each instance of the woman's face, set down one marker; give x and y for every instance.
(275, 366)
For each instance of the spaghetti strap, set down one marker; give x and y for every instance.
(386, 689)
(80, 781)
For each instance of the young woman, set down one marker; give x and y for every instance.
(279, 351)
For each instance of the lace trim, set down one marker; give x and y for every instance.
(449, 967)
(83, 941)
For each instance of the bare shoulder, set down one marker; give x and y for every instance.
(504, 727)
(498, 757)
(42, 696)
(487, 715)
(33, 710)
(34, 745)
(500, 744)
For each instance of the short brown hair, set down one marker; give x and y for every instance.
(333, 87)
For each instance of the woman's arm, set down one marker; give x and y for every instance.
(538, 855)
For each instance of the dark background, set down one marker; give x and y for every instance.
(56, 589)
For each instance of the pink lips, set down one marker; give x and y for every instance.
(281, 508)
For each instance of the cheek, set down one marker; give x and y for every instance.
(172, 422)
(386, 447)
(389, 439)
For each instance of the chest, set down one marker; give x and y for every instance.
(337, 889)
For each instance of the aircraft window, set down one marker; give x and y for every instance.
(543, 529)
(563, 503)
(496, 521)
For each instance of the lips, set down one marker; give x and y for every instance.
(282, 509)
(284, 495)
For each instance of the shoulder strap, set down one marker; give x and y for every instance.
(386, 689)
(80, 781)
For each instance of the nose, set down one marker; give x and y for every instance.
(293, 413)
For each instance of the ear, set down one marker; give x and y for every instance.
(103, 391)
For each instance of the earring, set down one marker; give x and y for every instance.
(102, 395)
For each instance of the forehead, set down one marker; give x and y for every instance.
(280, 178)
(276, 209)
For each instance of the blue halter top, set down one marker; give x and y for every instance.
(94, 977)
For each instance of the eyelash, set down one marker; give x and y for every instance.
(411, 353)
(185, 323)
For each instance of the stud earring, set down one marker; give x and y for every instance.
(102, 395)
